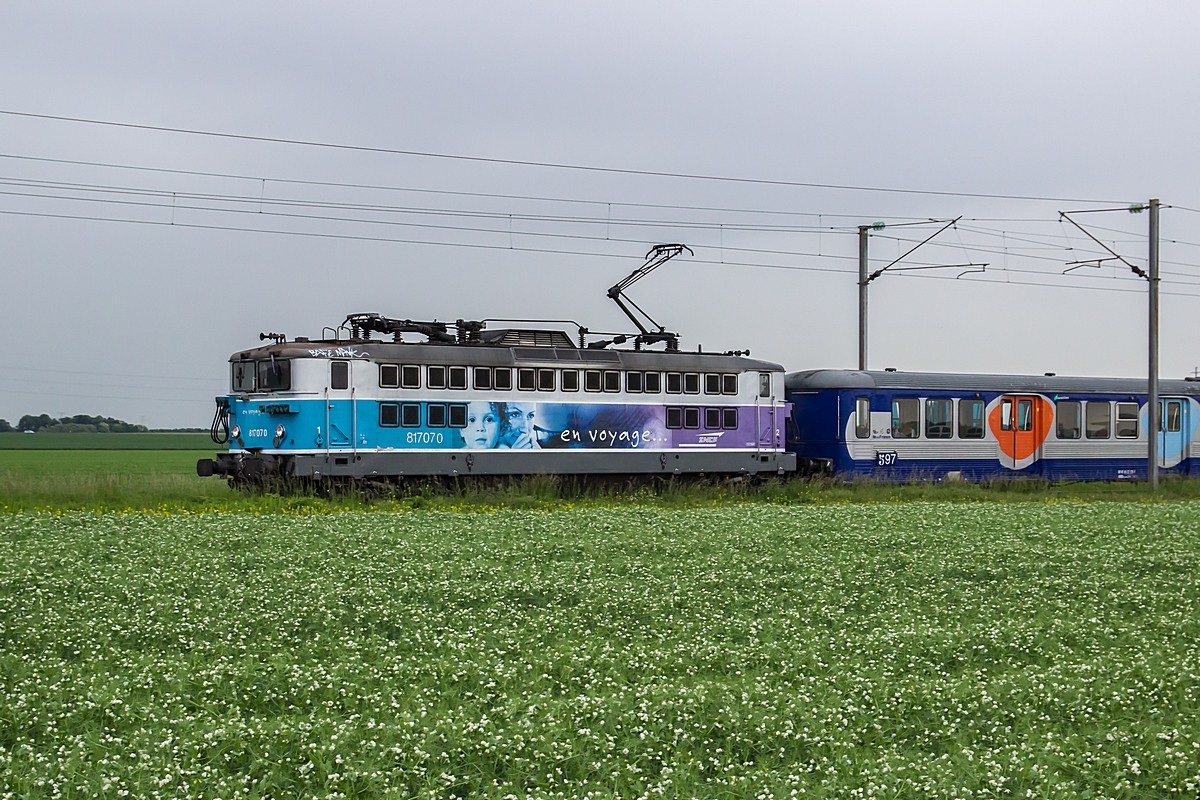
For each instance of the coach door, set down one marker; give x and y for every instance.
(1021, 432)
(1173, 428)
(340, 417)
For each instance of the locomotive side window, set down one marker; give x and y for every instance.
(764, 384)
(410, 376)
(435, 415)
(435, 377)
(633, 381)
(1099, 420)
(527, 379)
(729, 419)
(970, 419)
(570, 380)
(729, 384)
(458, 415)
(458, 377)
(862, 417)
(691, 418)
(410, 415)
(712, 383)
(612, 380)
(674, 417)
(389, 376)
(674, 383)
(502, 379)
(483, 377)
(691, 383)
(1069, 414)
(906, 418)
(389, 415)
(1127, 420)
(652, 382)
(712, 419)
(591, 380)
(275, 376)
(545, 380)
(242, 376)
(939, 419)
(339, 375)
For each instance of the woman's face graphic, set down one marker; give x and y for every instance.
(483, 423)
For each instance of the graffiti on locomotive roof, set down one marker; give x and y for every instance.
(338, 352)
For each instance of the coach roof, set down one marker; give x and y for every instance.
(816, 379)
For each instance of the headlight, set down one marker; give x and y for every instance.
(280, 432)
(236, 431)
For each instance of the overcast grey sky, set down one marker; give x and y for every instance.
(1095, 101)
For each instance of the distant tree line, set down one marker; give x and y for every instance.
(80, 423)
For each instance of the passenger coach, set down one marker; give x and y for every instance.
(903, 425)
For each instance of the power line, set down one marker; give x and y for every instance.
(543, 164)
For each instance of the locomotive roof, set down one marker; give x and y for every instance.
(815, 379)
(483, 355)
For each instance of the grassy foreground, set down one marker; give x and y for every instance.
(106, 441)
(904, 650)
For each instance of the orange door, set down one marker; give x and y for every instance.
(1020, 424)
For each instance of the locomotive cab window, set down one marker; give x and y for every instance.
(570, 380)
(591, 380)
(712, 384)
(410, 376)
(242, 376)
(862, 417)
(482, 377)
(339, 375)
(970, 419)
(502, 379)
(691, 383)
(545, 380)
(1069, 417)
(906, 418)
(1099, 420)
(1127, 420)
(458, 377)
(764, 384)
(389, 376)
(674, 383)
(633, 382)
(652, 382)
(435, 377)
(729, 384)
(939, 419)
(527, 379)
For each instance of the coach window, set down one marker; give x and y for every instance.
(435, 415)
(482, 377)
(729, 384)
(1172, 421)
(729, 419)
(458, 377)
(1099, 420)
(712, 419)
(591, 380)
(939, 419)
(389, 376)
(970, 419)
(570, 380)
(674, 417)
(906, 418)
(410, 377)
(633, 382)
(502, 379)
(527, 379)
(545, 380)
(862, 417)
(652, 382)
(674, 383)
(389, 415)
(435, 377)
(458, 415)
(410, 415)
(1069, 414)
(1127, 420)
(764, 384)
(712, 383)
(691, 383)
(612, 380)
(339, 375)
(243, 376)
(691, 417)
(1025, 415)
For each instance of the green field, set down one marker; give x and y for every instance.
(106, 441)
(911, 650)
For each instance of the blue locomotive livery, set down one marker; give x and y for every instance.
(893, 426)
